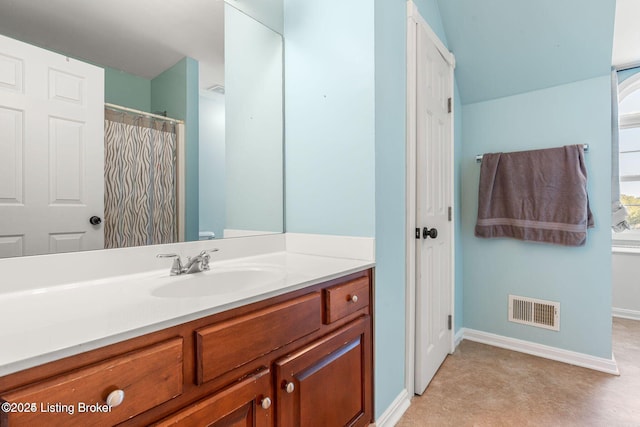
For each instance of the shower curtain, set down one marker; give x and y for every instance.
(140, 180)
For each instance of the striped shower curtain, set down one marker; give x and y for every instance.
(140, 180)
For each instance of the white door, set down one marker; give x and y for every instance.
(433, 201)
(51, 151)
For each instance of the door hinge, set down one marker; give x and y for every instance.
(449, 108)
(450, 322)
(418, 233)
(449, 214)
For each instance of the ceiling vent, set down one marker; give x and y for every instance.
(534, 312)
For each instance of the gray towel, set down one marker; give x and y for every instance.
(538, 195)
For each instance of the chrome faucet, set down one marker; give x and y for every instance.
(194, 264)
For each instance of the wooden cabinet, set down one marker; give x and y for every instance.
(247, 403)
(142, 379)
(230, 344)
(346, 298)
(299, 359)
(326, 382)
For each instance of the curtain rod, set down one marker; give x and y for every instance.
(142, 113)
(479, 156)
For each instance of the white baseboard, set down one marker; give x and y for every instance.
(625, 313)
(394, 412)
(458, 337)
(574, 358)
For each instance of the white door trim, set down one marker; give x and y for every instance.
(413, 15)
(413, 19)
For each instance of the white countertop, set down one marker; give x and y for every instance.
(42, 325)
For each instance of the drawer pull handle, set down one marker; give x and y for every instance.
(115, 398)
(354, 298)
(289, 387)
(266, 403)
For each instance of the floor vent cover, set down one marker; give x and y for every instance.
(534, 312)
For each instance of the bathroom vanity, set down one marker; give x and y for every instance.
(297, 352)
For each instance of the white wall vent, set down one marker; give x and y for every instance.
(534, 312)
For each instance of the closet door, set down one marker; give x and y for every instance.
(51, 151)
(434, 183)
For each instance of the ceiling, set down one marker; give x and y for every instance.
(141, 37)
(506, 47)
(626, 34)
(502, 47)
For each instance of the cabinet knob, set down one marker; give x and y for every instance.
(115, 398)
(354, 298)
(266, 403)
(289, 387)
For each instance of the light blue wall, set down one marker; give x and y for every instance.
(328, 92)
(212, 163)
(329, 101)
(254, 111)
(390, 170)
(176, 92)
(345, 146)
(579, 278)
(430, 11)
(127, 90)
(192, 142)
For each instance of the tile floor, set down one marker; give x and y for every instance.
(480, 385)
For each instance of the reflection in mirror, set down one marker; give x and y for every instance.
(208, 166)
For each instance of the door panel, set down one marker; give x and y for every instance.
(324, 384)
(11, 148)
(433, 187)
(51, 152)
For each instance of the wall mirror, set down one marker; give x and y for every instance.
(213, 168)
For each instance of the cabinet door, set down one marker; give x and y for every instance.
(327, 383)
(246, 403)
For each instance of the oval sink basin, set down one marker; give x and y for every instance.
(220, 280)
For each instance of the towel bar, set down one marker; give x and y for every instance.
(479, 156)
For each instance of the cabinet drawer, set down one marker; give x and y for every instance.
(230, 344)
(247, 402)
(346, 298)
(148, 377)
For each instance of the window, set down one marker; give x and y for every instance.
(629, 158)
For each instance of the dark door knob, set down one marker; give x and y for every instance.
(95, 220)
(433, 233)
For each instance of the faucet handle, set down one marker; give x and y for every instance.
(208, 251)
(176, 267)
(204, 255)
